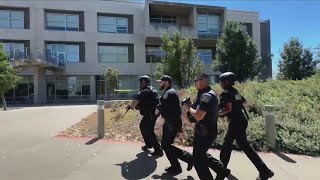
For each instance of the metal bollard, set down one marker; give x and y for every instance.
(100, 112)
(270, 124)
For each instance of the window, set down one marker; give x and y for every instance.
(14, 51)
(11, 19)
(208, 25)
(62, 53)
(62, 22)
(113, 54)
(155, 54)
(205, 55)
(162, 19)
(127, 82)
(248, 28)
(113, 24)
(68, 87)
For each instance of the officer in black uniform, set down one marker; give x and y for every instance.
(169, 109)
(204, 112)
(231, 105)
(146, 100)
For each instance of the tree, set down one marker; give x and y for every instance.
(237, 52)
(296, 62)
(9, 76)
(111, 78)
(180, 61)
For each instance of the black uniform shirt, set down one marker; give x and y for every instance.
(231, 95)
(207, 101)
(169, 106)
(148, 98)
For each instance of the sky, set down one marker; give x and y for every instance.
(288, 18)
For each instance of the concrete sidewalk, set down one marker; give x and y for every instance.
(29, 151)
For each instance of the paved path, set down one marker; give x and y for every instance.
(29, 151)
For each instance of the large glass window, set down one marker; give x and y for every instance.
(113, 24)
(208, 25)
(14, 51)
(12, 19)
(163, 19)
(63, 22)
(154, 54)
(62, 53)
(128, 83)
(205, 55)
(113, 54)
(23, 91)
(68, 87)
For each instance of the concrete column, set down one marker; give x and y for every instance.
(40, 85)
(92, 88)
(270, 124)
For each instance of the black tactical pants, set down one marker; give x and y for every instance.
(202, 141)
(173, 153)
(238, 132)
(147, 130)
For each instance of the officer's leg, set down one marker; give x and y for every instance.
(227, 147)
(200, 148)
(143, 130)
(151, 135)
(251, 154)
(168, 137)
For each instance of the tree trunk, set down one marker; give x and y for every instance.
(4, 104)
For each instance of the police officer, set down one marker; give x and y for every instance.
(146, 100)
(204, 111)
(170, 110)
(231, 105)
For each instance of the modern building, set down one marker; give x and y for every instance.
(63, 46)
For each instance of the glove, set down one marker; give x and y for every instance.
(191, 118)
(128, 107)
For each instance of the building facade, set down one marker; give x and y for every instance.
(64, 46)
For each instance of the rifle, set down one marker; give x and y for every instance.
(128, 107)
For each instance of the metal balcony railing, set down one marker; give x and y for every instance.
(170, 29)
(39, 54)
(209, 35)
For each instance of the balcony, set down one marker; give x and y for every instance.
(35, 57)
(157, 30)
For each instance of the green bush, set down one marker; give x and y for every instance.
(297, 115)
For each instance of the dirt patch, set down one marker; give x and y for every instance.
(123, 129)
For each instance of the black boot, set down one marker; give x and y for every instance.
(190, 165)
(146, 148)
(173, 170)
(265, 176)
(158, 153)
(223, 174)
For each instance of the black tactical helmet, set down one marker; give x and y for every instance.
(229, 76)
(145, 78)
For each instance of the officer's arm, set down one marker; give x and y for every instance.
(136, 100)
(134, 103)
(197, 113)
(202, 109)
(164, 107)
(227, 106)
(226, 109)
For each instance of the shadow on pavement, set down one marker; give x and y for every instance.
(92, 141)
(139, 168)
(284, 157)
(167, 176)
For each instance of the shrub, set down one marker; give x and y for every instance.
(297, 115)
